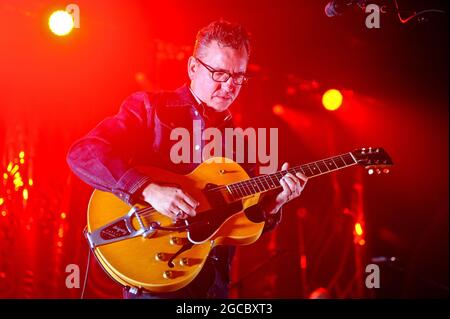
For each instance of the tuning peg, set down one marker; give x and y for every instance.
(386, 170)
(370, 171)
(378, 171)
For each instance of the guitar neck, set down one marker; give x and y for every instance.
(268, 182)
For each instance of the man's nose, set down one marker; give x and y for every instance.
(229, 84)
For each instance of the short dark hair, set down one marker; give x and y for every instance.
(226, 34)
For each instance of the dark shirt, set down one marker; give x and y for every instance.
(139, 135)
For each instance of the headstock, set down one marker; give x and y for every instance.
(373, 159)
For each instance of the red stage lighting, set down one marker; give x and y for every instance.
(278, 109)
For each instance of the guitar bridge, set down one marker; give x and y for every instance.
(118, 230)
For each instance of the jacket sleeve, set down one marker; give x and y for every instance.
(102, 158)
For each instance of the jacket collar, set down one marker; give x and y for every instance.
(184, 98)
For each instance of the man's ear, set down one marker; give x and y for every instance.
(192, 67)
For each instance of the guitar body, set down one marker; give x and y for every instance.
(141, 248)
(143, 262)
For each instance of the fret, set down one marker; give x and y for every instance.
(240, 189)
(307, 171)
(250, 187)
(230, 191)
(314, 168)
(272, 183)
(274, 180)
(348, 159)
(264, 180)
(245, 189)
(338, 161)
(259, 184)
(298, 169)
(279, 176)
(235, 191)
(323, 168)
(330, 164)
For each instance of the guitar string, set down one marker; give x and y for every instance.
(300, 167)
(236, 187)
(245, 184)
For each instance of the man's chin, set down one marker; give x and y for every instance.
(220, 105)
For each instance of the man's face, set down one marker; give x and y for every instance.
(218, 95)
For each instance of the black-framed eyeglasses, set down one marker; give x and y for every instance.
(223, 76)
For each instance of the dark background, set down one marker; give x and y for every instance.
(395, 85)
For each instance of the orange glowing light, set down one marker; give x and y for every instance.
(358, 229)
(25, 194)
(63, 215)
(22, 154)
(332, 99)
(362, 242)
(17, 182)
(14, 169)
(30, 182)
(3, 213)
(61, 23)
(1, 201)
(278, 109)
(303, 262)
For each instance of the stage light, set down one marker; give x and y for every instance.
(278, 109)
(25, 194)
(320, 293)
(358, 229)
(61, 22)
(332, 99)
(14, 170)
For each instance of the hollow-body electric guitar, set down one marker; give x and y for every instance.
(141, 248)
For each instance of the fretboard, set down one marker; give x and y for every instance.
(268, 182)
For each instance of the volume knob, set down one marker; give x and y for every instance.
(184, 262)
(168, 274)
